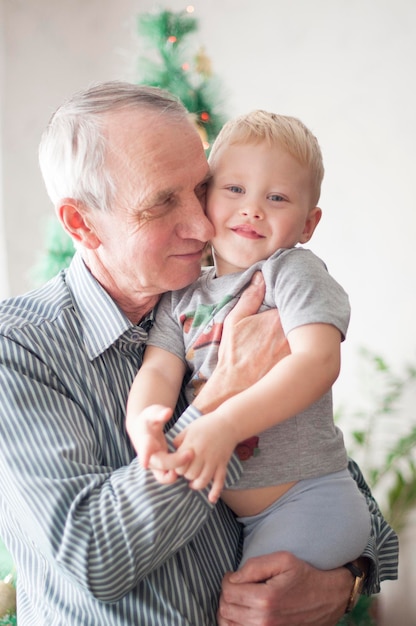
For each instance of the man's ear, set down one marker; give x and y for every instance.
(73, 217)
(312, 221)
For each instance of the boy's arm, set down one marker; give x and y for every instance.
(292, 385)
(152, 398)
(158, 381)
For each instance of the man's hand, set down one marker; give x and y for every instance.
(280, 590)
(251, 344)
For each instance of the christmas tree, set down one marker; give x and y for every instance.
(188, 76)
(173, 67)
(59, 250)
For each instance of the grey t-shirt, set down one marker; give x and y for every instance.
(189, 324)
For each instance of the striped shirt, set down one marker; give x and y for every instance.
(95, 539)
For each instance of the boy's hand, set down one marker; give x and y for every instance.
(212, 442)
(148, 438)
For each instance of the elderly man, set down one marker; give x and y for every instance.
(96, 540)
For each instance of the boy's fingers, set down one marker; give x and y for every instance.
(157, 414)
(217, 486)
(165, 478)
(171, 460)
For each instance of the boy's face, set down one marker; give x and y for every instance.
(259, 200)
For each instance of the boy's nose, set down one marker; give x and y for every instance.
(252, 211)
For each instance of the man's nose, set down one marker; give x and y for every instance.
(194, 224)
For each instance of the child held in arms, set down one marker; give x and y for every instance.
(295, 493)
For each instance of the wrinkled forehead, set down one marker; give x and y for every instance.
(132, 133)
(147, 148)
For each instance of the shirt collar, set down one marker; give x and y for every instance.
(102, 321)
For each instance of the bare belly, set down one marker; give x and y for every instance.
(254, 501)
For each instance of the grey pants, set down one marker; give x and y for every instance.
(324, 521)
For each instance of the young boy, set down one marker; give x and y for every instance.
(295, 493)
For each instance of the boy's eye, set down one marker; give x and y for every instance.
(275, 197)
(235, 189)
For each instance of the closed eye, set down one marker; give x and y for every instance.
(158, 207)
(201, 192)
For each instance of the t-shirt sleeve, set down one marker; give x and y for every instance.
(166, 332)
(305, 293)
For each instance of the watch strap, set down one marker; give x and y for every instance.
(359, 577)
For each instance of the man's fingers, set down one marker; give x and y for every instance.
(261, 568)
(250, 301)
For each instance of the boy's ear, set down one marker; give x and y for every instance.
(73, 217)
(312, 221)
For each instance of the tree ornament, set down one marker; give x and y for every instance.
(203, 63)
(203, 134)
(187, 76)
(7, 596)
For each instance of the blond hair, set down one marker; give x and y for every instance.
(282, 130)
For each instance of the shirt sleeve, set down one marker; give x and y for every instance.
(74, 486)
(383, 546)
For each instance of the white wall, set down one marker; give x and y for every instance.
(4, 283)
(345, 68)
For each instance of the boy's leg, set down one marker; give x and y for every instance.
(324, 521)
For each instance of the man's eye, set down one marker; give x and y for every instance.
(168, 200)
(201, 191)
(159, 209)
(165, 204)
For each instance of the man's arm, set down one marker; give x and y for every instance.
(63, 445)
(69, 480)
(382, 549)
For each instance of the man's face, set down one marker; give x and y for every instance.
(152, 240)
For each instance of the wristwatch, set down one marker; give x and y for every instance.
(359, 578)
